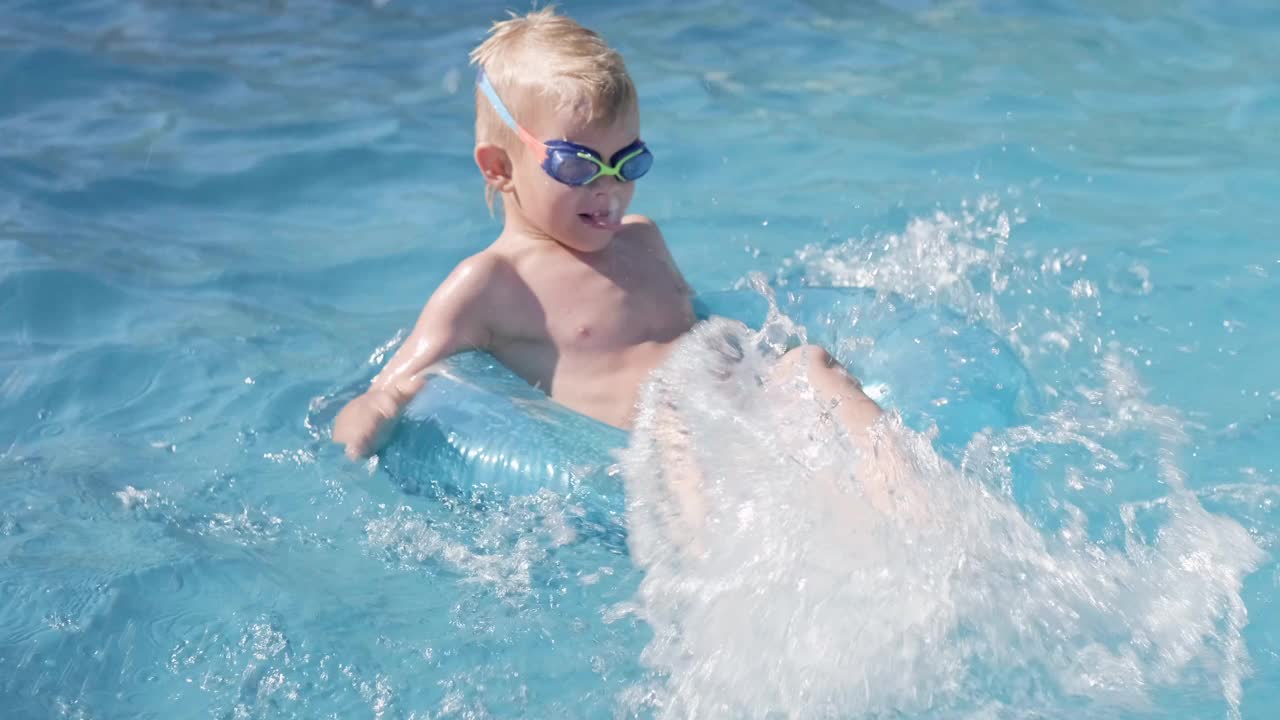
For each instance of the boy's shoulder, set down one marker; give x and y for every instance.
(641, 228)
(482, 268)
(475, 280)
(640, 224)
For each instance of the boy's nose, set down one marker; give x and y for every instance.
(605, 186)
(610, 193)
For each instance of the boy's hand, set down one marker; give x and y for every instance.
(365, 424)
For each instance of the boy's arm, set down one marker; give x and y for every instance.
(456, 318)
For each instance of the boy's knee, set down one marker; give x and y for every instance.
(812, 356)
(824, 371)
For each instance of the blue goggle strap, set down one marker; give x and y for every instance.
(486, 87)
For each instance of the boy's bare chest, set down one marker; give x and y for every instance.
(613, 307)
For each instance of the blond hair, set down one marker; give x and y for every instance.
(542, 60)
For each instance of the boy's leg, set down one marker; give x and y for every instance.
(836, 388)
(683, 477)
(880, 469)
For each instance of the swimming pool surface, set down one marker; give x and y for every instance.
(214, 217)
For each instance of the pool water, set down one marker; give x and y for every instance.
(216, 217)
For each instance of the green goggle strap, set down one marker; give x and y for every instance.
(610, 170)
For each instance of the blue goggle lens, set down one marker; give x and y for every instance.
(636, 167)
(568, 168)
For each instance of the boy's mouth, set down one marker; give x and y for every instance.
(601, 219)
(609, 218)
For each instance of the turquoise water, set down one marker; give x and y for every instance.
(215, 216)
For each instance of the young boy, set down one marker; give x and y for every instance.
(577, 297)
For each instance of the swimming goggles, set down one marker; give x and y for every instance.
(569, 162)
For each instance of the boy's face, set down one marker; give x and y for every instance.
(583, 218)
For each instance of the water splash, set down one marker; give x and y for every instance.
(961, 262)
(1029, 577)
(799, 595)
(1040, 305)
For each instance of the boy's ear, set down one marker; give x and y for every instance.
(495, 166)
